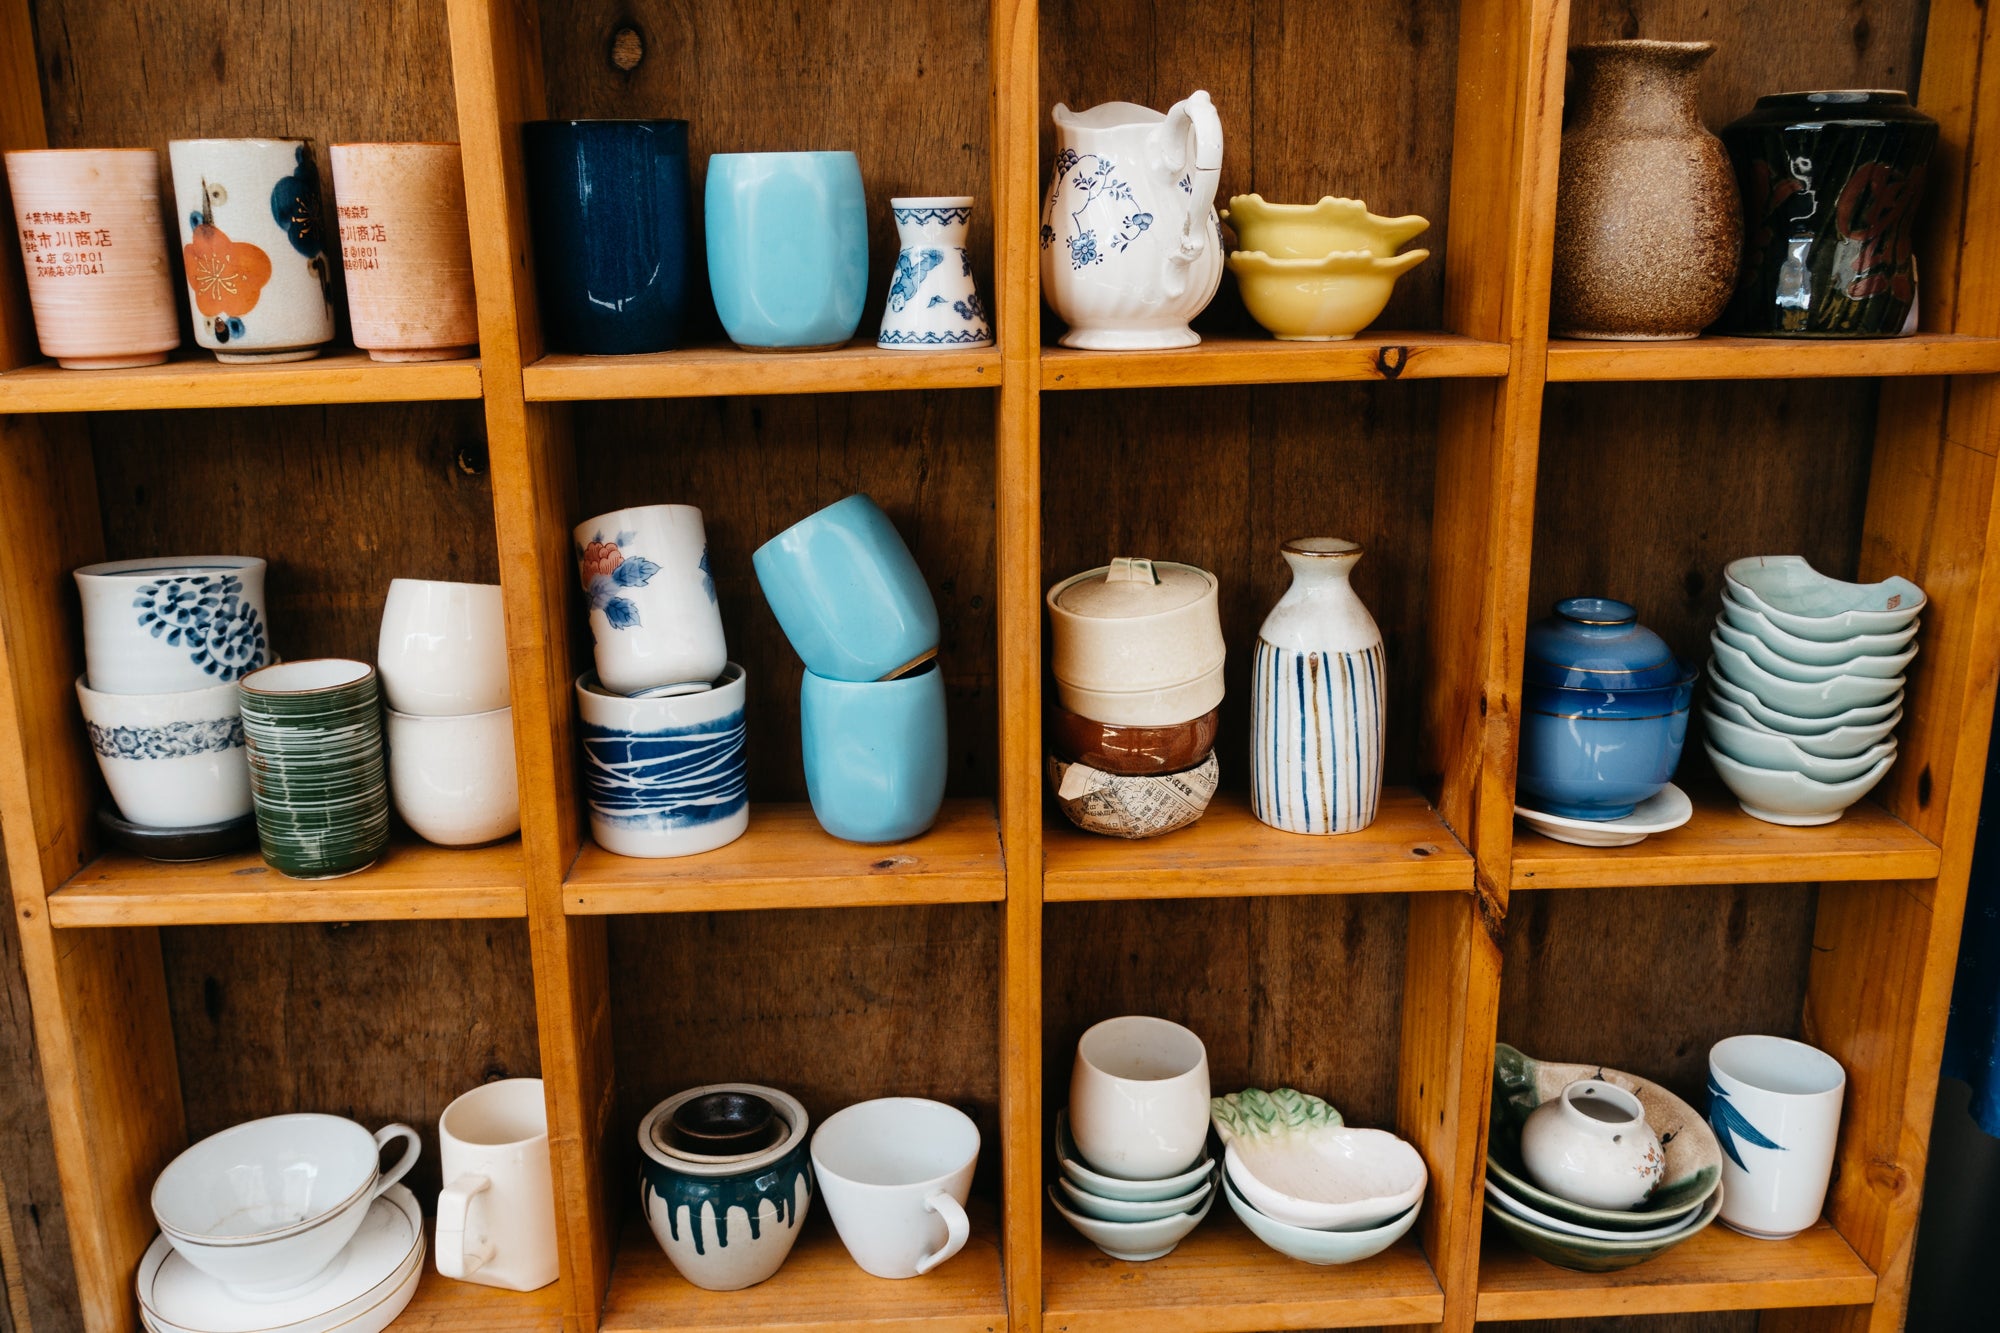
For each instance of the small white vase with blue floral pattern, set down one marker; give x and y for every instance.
(932, 300)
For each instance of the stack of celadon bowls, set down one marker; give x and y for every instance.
(1806, 686)
(317, 772)
(1135, 1175)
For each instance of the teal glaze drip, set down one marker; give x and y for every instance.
(778, 1182)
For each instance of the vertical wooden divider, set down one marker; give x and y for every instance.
(1013, 56)
(496, 61)
(1504, 145)
(102, 1029)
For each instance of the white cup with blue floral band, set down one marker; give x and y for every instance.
(173, 625)
(171, 760)
(653, 610)
(1774, 1105)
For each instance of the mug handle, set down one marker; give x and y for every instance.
(403, 1163)
(454, 1257)
(958, 1229)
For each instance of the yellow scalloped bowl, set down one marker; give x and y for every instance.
(1318, 300)
(1310, 231)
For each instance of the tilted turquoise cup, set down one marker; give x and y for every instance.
(787, 247)
(848, 593)
(875, 753)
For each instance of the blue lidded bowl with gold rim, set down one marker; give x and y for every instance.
(1604, 711)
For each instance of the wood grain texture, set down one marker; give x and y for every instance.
(787, 860)
(378, 1022)
(703, 372)
(41, 1283)
(1721, 358)
(1230, 853)
(198, 380)
(1251, 360)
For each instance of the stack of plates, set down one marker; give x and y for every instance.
(1806, 686)
(362, 1292)
(1597, 1240)
(1129, 1219)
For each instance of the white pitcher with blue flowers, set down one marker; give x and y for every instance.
(1131, 247)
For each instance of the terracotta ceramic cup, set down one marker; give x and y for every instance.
(1131, 750)
(405, 249)
(95, 250)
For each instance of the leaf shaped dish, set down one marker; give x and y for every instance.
(1294, 1160)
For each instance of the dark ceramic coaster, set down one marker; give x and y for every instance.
(179, 844)
(724, 1123)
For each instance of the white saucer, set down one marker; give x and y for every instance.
(373, 1280)
(1668, 809)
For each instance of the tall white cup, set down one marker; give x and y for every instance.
(453, 778)
(1138, 1098)
(894, 1173)
(443, 648)
(496, 1218)
(652, 602)
(1775, 1106)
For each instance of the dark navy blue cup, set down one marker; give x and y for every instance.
(610, 204)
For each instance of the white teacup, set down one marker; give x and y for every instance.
(267, 1206)
(1138, 1098)
(497, 1212)
(1775, 1105)
(170, 626)
(652, 602)
(894, 1173)
(443, 649)
(453, 778)
(171, 760)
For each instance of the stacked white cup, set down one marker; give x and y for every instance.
(443, 663)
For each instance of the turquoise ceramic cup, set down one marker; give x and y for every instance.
(848, 593)
(875, 753)
(787, 248)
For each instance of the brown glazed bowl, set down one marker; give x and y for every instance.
(1131, 750)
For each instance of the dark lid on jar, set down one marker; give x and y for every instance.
(1847, 106)
(1597, 643)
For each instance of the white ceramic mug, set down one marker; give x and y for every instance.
(171, 760)
(894, 1173)
(1138, 1098)
(453, 778)
(174, 625)
(443, 648)
(652, 603)
(496, 1217)
(1775, 1106)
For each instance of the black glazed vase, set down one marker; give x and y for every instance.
(1831, 185)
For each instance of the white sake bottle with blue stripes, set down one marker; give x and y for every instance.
(1316, 709)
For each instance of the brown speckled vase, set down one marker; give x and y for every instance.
(1648, 220)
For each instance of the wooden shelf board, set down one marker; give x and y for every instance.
(1231, 854)
(1722, 845)
(413, 881)
(1222, 1279)
(703, 372)
(820, 1288)
(1716, 1270)
(1371, 356)
(196, 379)
(1728, 358)
(442, 1305)
(787, 860)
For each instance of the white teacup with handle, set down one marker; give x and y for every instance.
(496, 1217)
(894, 1173)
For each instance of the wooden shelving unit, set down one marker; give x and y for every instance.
(1377, 969)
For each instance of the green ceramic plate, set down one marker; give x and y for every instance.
(1694, 1158)
(1598, 1256)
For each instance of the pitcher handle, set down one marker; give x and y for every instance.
(1194, 117)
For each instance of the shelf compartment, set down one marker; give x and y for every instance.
(1371, 356)
(1722, 845)
(1716, 1270)
(1230, 853)
(787, 860)
(413, 881)
(820, 1288)
(1727, 358)
(706, 372)
(1222, 1279)
(442, 1305)
(199, 380)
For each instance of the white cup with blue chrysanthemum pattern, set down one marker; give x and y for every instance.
(170, 760)
(652, 600)
(170, 626)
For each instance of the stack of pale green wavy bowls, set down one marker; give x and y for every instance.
(317, 771)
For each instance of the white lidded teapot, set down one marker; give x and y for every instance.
(1131, 247)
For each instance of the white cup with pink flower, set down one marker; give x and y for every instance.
(653, 610)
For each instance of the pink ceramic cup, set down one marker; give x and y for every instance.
(95, 248)
(405, 249)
